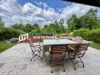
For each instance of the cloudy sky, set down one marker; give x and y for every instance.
(40, 11)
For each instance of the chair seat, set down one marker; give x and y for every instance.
(56, 55)
(37, 48)
(58, 51)
(74, 53)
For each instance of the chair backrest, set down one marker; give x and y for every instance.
(30, 42)
(78, 39)
(81, 49)
(58, 49)
(37, 40)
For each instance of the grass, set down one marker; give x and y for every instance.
(95, 45)
(4, 46)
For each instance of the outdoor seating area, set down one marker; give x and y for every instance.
(59, 48)
(49, 37)
(52, 55)
(17, 61)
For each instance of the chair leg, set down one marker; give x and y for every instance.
(81, 61)
(32, 57)
(72, 62)
(62, 60)
(39, 57)
(51, 66)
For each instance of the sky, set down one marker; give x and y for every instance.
(42, 12)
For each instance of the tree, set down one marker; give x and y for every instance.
(1, 23)
(35, 26)
(72, 22)
(92, 16)
(89, 20)
(18, 26)
(61, 23)
(55, 27)
(45, 26)
(28, 28)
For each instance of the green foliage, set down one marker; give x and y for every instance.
(61, 27)
(92, 35)
(53, 28)
(81, 32)
(7, 33)
(95, 45)
(63, 34)
(18, 26)
(86, 26)
(34, 32)
(72, 23)
(88, 21)
(1, 23)
(28, 28)
(71, 33)
(35, 26)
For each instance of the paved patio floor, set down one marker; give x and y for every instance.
(16, 61)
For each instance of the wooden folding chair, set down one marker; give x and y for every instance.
(77, 52)
(58, 51)
(36, 49)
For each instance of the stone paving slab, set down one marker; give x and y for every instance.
(16, 61)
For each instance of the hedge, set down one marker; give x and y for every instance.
(7, 33)
(91, 35)
(81, 32)
(94, 35)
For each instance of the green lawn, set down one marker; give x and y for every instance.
(4, 46)
(95, 45)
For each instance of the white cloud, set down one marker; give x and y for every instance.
(31, 9)
(77, 9)
(12, 12)
(41, 4)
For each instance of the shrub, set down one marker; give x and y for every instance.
(94, 35)
(7, 33)
(81, 32)
(71, 33)
(63, 34)
(34, 32)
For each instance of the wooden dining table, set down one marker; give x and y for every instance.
(49, 42)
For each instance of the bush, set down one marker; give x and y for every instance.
(34, 32)
(82, 32)
(63, 34)
(7, 33)
(71, 33)
(93, 35)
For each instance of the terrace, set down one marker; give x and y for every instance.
(59, 28)
(16, 61)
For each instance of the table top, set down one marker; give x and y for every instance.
(58, 41)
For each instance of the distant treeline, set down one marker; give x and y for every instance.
(88, 21)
